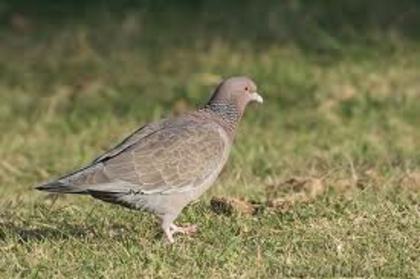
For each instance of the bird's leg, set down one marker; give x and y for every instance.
(169, 228)
(188, 230)
(172, 229)
(167, 223)
(169, 236)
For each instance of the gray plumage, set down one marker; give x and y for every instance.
(163, 166)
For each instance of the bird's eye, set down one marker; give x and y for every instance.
(246, 88)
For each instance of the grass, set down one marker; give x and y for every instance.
(332, 158)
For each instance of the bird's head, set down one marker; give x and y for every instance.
(237, 91)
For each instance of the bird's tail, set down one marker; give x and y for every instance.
(74, 182)
(60, 187)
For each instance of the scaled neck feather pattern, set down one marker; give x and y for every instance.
(227, 113)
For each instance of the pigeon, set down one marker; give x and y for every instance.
(163, 166)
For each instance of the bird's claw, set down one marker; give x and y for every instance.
(188, 230)
(173, 229)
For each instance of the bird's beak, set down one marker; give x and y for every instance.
(256, 97)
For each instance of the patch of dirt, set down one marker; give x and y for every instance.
(295, 190)
(228, 206)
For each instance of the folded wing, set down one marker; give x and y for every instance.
(169, 159)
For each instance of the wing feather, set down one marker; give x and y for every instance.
(163, 157)
(173, 159)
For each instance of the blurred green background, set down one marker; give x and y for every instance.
(341, 86)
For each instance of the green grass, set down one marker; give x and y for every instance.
(344, 113)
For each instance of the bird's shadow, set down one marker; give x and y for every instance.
(39, 233)
(63, 231)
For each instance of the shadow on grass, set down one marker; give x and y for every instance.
(48, 230)
(28, 234)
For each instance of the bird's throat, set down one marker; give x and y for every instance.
(228, 113)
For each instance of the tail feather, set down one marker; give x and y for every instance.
(76, 181)
(61, 187)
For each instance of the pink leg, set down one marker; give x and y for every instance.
(188, 230)
(169, 228)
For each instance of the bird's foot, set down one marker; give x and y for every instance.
(188, 230)
(174, 229)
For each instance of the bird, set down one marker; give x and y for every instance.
(163, 166)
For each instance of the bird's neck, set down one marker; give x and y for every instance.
(227, 113)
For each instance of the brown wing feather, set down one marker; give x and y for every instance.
(170, 155)
(169, 159)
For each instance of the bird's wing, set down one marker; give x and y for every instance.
(175, 157)
(169, 160)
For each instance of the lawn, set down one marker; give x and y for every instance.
(323, 179)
